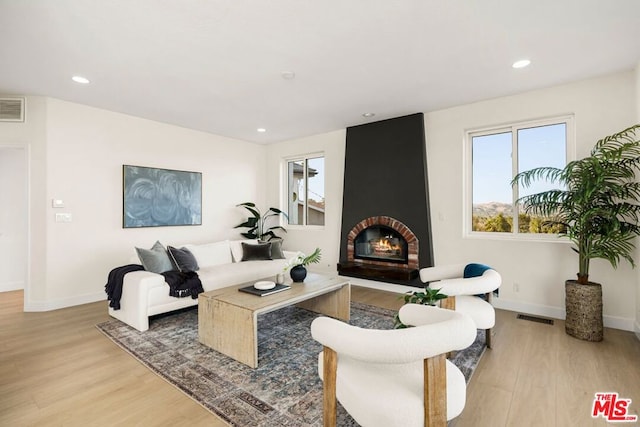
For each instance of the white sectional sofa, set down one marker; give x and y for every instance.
(145, 293)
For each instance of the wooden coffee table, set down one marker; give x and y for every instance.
(228, 318)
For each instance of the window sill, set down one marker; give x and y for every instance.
(304, 227)
(520, 237)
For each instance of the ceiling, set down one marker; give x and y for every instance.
(217, 65)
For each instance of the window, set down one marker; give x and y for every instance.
(494, 157)
(305, 190)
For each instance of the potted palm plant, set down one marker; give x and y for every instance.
(598, 208)
(256, 223)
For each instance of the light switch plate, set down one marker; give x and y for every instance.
(57, 203)
(63, 217)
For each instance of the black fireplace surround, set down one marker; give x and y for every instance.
(386, 177)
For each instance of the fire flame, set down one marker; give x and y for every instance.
(384, 245)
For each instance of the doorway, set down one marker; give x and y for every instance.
(13, 218)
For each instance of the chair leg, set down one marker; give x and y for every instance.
(435, 391)
(487, 337)
(448, 303)
(330, 367)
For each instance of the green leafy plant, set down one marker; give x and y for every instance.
(303, 260)
(256, 223)
(598, 204)
(428, 297)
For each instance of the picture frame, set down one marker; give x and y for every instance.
(156, 197)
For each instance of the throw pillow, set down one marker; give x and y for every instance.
(474, 270)
(155, 259)
(258, 252)
(236, 248)
(183, 259)
(276, 249)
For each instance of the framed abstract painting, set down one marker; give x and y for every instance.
(155, 197)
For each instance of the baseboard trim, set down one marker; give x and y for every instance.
(614, 322)
(637, 329)
(528, 308)
(59, 303)
(11, 286)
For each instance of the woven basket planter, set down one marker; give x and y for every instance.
(584, 310)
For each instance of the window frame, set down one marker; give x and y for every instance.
(467, 202)
(284, 195)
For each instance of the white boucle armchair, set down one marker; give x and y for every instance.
(395, 377)
(462, 283)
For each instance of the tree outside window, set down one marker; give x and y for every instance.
(496, 156)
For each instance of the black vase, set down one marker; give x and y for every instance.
(298, 273)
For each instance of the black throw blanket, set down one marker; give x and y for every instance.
(113, 288)
(180, 284)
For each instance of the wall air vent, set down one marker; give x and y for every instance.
(11, 109)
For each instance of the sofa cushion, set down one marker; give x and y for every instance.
(155, 259)
(257, 252)
(183, 259)
(236, 248)
(211, 254)
(239, 272)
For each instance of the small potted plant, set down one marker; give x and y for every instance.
(299, 263)
(428, 297)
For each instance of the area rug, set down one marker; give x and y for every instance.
(284, 390)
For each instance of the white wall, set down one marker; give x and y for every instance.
(327, 238)
(637, 324)
(13, 217)
(601, 106)
(76, 155)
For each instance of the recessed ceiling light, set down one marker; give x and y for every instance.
(368, 114)
(288, 75)
(261, 130)
(80, 79)
(521, 64)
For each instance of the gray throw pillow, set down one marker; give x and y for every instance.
(259, 252)
(155, 259)
(183, 259)
(276, 249)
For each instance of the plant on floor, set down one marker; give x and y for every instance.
(256, 223)
(597, 206)
(428, 297)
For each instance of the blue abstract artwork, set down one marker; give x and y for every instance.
(155, 197)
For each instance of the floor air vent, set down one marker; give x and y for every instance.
(535, 319)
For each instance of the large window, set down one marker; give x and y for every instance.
(305, 190)
(495, 156)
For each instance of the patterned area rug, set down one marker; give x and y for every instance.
(284, 390)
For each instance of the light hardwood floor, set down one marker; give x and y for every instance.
(56, 369)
